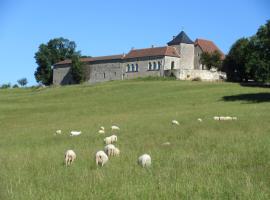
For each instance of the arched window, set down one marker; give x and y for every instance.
(172, 65)
(155, 66)
(137, 67)
(149, 66)
(133, 68)
(159, 65)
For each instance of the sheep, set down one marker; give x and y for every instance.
(101, 158)
(70, 156)
(116, 128)
(216, 118)
(228, 118)
(144, 160)
(199, 119)
(75, 133)
(116, 152)
(58, 132)
(166, 144)
(175, 122)
(234, 118)
(102, 128)
(111, 139)
(221, 118)
(101, 131)
(108, 149)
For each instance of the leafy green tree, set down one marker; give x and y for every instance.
(22, 82)
(211, 59)
(54, 51)
(77, 71)
(5, 86)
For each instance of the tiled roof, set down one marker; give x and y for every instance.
(93, 59)
(208, 46)
(180, 38)
(155, 51)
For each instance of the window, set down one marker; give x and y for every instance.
(133, 68)
(172, 65)
(137, 67)
(149, 66)
(159, 65)
(155, 66)
(128, 68)
(114, 73)
(104, 75)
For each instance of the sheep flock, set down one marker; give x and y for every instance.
(110, 150)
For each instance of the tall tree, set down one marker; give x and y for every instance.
(22, 82)
(77, 70)
(54, 51)
(211, 59)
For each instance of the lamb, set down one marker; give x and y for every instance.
(75, 133)
(70, 156)
(58, 132)
(199, 119)
(102, 128)
(144, 160)
(166, 144)
(101, 131)
(228, 118)
(108, 149)
(116, 152)
(110, 139)
(175, 122)
(116, 128)
(101, 158)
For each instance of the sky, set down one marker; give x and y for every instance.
(102, 27)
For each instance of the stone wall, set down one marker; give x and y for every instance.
(205, 75)
(62, 75)
(197, 56)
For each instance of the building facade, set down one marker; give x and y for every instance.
(181, 58)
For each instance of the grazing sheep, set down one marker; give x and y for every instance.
(166, 144)
(116, 128)
(101, 158)
(221, 118)
(70, 156)
(101, 131)
(216, 118)
(116, 152)
(144, 160)
(102, 128)
(75, 133)
(175, 122)
(199, 119)
(58, 132)
(111, 139)
(234, 118)
(108, 149)
(228, 118)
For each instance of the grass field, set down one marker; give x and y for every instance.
(208, 160)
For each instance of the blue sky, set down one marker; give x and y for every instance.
(102, 27)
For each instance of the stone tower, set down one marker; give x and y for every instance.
(185, 48)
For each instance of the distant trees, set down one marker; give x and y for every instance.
(249, 58)
(77, 69)
(211, 60)
(54, 51)
(22, 82)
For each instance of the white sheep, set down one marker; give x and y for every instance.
(101, 158)
(75, 133)
(58, 132)
(221, 118)
(101, 131)
(102, 128)
(175, 122)
(70, 156)
(228, 118)
(108, 149)
(111, 139)
(116, 152)
(199, 119)
(144, 160)
(216, 118)
(234, 118)
(166, 144)
(115, 128)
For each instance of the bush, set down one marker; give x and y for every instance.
(15, 86)
(5, 86)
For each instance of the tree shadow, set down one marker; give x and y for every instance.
(255, 84)
(250, 97)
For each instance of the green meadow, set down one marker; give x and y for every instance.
(206, 160)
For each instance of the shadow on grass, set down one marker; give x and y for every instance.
(255, 84)
(251, 97)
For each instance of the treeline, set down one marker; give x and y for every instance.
(249, 58)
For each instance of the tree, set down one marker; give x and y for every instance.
(54, 51)
(22, 82)
(211, 59)
(77, 69)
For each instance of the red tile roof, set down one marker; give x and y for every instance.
(208, 46)
(92, 59)
(157, 51)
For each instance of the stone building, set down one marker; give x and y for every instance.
(181, 58)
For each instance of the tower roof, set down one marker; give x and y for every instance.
(180, 38)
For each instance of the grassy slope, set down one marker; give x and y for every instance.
(208, 160)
